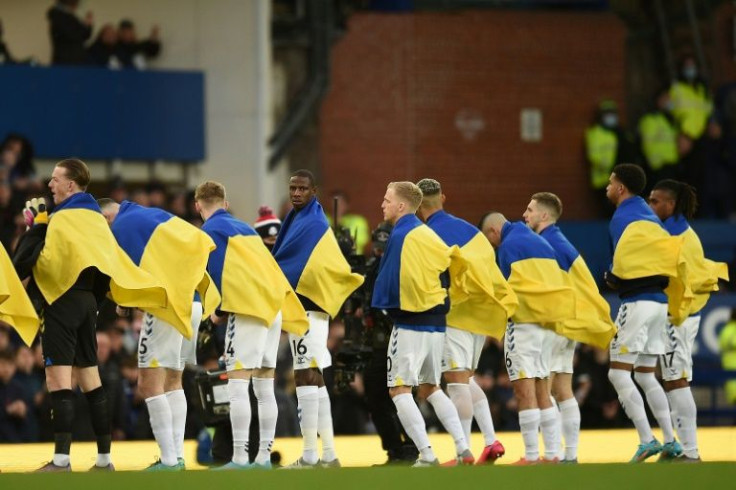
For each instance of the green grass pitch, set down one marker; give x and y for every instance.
(706, 476)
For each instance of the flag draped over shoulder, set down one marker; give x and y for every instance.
(308, 254)
(175, 253)
(15, 308)
(643, 248)
(592, 321)
(484, 311)
(409, 274)
(250, 281)
(78, 237)
(702, 274)
(528, 262)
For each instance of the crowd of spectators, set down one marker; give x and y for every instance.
(687, 134)
(71, 36)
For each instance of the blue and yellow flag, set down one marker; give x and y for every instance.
(529, 264)
(409, 273)
(483, 312)
(67, 252)
(15, 308)
(308, 253)
(643, 248)
(249, 279)
(702, 274)
(174, 252)
(592, 322)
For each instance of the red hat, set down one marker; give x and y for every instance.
(267, 224)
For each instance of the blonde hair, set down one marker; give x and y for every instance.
(210, 192)
(408, 192)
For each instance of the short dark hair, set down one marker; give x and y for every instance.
(126, 24)
(549, 201)
(103, 202)
(686, 200)
(77, 171)
(302, 172)
(631, 176)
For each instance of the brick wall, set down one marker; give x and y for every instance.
(401, 83)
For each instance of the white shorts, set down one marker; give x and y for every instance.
(677, 362)
(461, 350)
(642, 329)
(250, 344)
(414, 357)
(161, 345)
(527, 349)
(562, 354)
(310, 351)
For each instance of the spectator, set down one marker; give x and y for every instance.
(68, 33)
(140, 196)
(102, 51)
(33, 383)
(17, 157)
(267, 225)
(606, 145)
(5, 57)
(157, 197)
(14, 423)
(133, 53)
(692, 108)
(118, 192)
(112, 380)
(727, 346)
(658, 136)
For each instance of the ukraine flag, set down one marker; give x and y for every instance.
(249, 279)
(529, 264)
(490, 300)
(15, 308)
(592, 321)
(307, 251)
(702, 274)
(643, 248)
(66, 254)
(174, 252)
(409, 273)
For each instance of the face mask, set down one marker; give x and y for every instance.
(690, 73)
(610, 120)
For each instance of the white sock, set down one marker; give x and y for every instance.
(683, 405)
(460, 395)
(550, 428)
(632, 402)
(447, 413)
(178, 404)
(324, 426)
(657, 401)
(570, 414)
(413, 423)
(482, 412)
(529, 425)
(61, 459)
(103, 460)
(268, 412)
(240, 415)
(160, 414)
(308, 402)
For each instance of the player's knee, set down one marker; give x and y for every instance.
(676, 384)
